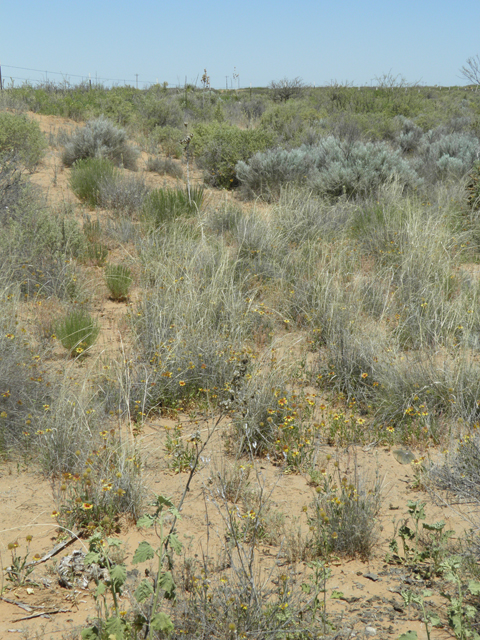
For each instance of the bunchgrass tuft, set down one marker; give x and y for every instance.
(77, 332)
(119, 280)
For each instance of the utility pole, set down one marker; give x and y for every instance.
(226, 83)
(136, 80)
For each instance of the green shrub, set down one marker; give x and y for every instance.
(100, 138)
(77, 332)
(168, 138)
(159, 110)
(21, 136)
(88, 175)
(119, 280)
(164, 205)
(219, 147)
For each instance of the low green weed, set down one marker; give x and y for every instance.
(417, 549)
(20, 568)
(148, 594)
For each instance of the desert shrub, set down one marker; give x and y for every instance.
(88, 176)
(409, 136)
(77, 332)
(119, 280)
(219, 147)
(442, 155)
(158, 110)
(165, 166)
(100, 138)
(21, 136)
(123, 194)
(164, 205)
(344, 518)
(329, 168)
(473, 187)
(168, 138)
(12, 186)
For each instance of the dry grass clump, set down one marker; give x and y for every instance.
(344, 519)
(193, 320)
(26, 391)
(164, 167)
(124, 194)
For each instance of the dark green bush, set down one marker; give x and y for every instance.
(21, 136)
(87, 177)
(218, 147)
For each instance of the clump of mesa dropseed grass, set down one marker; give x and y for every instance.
(343, 516)
(109, 486)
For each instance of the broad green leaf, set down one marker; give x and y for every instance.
(437, 526)
(163, 501)
(114, 627)
(114, 542)
(306, 588)
(175, 543)
(145, 521)
(474, 587)
(168, 585)
(416, 509)
(143, 591)
(90, 634)
(143, 553)
(101, 588)
(410, 635)
(406, 533)
(161, 622)
(434, 619)
(118, 575)
(91, 557)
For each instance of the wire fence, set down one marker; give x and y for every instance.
(10, 75)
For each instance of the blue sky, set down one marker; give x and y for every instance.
(319, 41)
